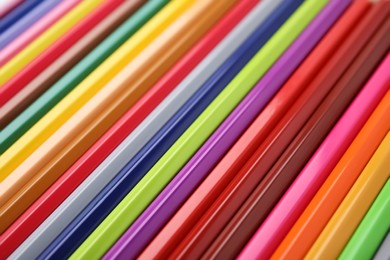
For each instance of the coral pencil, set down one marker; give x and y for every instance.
(312, 221)
(56, 50)
(12, 67)
(348, 215)
(373, 228)
(66, 62)
(294, 201)
(276, 181)
(35, 31)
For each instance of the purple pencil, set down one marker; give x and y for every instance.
(180, 188)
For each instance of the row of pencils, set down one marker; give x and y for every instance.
(195, 129)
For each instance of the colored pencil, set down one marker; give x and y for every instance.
(78, 134)
(102, 206)
(212, 86)
(53, 120)
(292, 25)
(141, 75)
(35, 31)
(48, 177)
(185, 219)
(107, 143)
(36, 47)
(185, 129)
(56, 50)
(66, 62)
(96, 57)
(76, 76)
(25, 22)
(296, 198)
(37, 185)
(41, 58)
(316, 215)
(100, 233)
(372, 230)
(18, 12)
(78, 172)
(264, 197)
(348, 215)
(383, 252)
(129, 28)
(196, 245)
(87, 190)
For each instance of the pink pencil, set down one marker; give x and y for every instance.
(28, 36)
(282, 218)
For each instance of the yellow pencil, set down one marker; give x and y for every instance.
(351, 211)
(45, 127)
